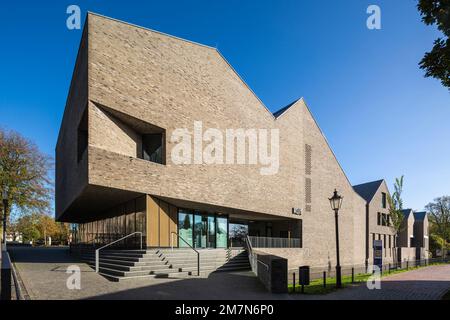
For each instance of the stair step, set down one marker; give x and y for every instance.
(118, 265)
(130, 263)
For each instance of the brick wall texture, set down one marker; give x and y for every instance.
(136, 77)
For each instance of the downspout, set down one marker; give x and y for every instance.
(367, 235)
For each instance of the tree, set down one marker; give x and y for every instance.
(396, 206)
(436, 63)
(24, 174)
(27, 225)
(47, 227)
(439, 211)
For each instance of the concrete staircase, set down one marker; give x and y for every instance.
(118, 265)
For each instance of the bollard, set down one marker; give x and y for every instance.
(324, 279)
(294, 283)
(353, 275)
(304, 277)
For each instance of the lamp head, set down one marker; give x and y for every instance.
(336, 201)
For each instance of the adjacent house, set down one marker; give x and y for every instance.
(421, 241)
(405, 239)
(133, 92)
(378, 223)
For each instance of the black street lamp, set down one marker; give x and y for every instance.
(5, 210)
(336, 202)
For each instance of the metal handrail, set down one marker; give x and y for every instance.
(274, 242)
(264, 264)
(97, 252)
(19, 295)
(198, 253)
(250, 254)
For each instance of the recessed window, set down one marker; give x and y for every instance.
(383, 200)
(383, 219)
(82, 136)
(379, 219)
(153, 147)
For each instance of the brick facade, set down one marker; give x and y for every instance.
(138, 79)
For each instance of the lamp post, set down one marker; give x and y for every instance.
(336, 202)
(5, 210)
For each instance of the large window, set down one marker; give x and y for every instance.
(222, 232)
(383, 200)
(185, 228)
(202, 230)
(384, 219)
(238, 233)
(152, 147)
(82, 136)
(122, 220)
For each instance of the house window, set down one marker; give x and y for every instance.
(384, 241)
(383, 200)
(379, 219)
(82, 136)
(152, 147)
(390, 241)
(383, 219)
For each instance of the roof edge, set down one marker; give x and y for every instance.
(149, 29)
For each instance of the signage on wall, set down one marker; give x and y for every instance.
(378, 253)
(297, 211)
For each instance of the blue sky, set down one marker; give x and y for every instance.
(381, 117)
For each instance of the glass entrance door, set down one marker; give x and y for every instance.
(211, 238)
(203, 230)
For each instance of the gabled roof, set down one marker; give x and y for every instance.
(368, 190)
(407, 212)
(420, 215)
(278, 113)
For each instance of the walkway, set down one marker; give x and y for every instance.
(43, 271)
(429, 283)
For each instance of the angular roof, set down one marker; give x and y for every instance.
(420, 215)
(278, 113)
(368, 190)
(407, 212)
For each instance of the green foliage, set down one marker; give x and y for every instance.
(38, 226)
(396, 205)
(28, 225)
(439, 216)
(436, 63)
(24, 174)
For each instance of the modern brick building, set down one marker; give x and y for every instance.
(131, 89)
(378, 224)
(421, 240)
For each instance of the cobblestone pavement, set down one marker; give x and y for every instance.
(43, 272)
(429, 283)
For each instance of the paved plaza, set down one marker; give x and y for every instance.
(44, 275)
